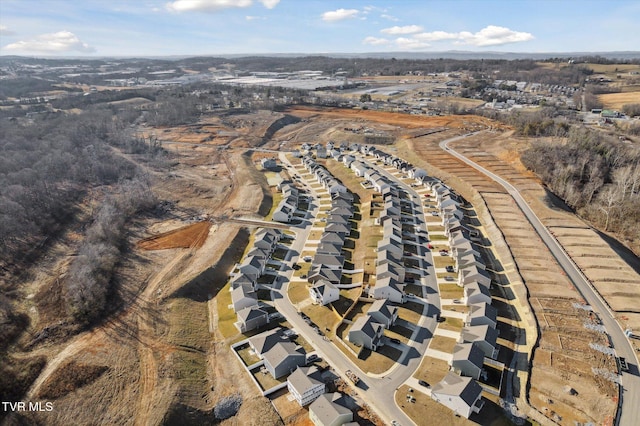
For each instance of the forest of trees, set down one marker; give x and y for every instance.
(47, 168)
(596, 175)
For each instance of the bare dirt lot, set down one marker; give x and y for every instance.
(190, 236)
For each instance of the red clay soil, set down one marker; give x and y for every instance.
(394, 118)
(190, 236)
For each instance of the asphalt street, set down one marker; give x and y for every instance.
(629, 414)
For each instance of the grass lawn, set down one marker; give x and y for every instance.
(377, 362)
(450, 291)
(437, 237)
(189, 369)
(277, 197)
(265, 379)
(447, 274)
(226, 315)
(323, 317)
(455, 308)
(298, 291)
(442, 261)
(426, 408)
(441, 343)
(189, 324)
(246, 354)
(431, 370)
(299, 340)
(410, 312)
(453, 324)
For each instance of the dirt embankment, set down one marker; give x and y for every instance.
(279, 124)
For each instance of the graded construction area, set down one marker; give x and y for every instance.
(190, 236)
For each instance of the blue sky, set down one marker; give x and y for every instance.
(210, 27)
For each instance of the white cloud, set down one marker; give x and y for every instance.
(407, 29)
(489, 36)
(389, 17)
(62, 41)
(206, 5)
(339, 15)
(493, 35)
(269, 4)
(375, 41)
(5, 31)
(411, 43)
(254, 18)
(437, 36)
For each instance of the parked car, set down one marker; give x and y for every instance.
(303, 276)
(449, 268)
(441, 319)
(623, 364)
(423, 383)
(394, 340)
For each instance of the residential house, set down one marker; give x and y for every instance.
(322, 292)
(482, 314)
(264, 342)
(330, 409)
(268, 163)
(467, 359)
(305, 385)
(329, 248)
(242, 280)
(323, 273)
(243, 297)
(251, 318)
(347, 160)
(471, 273)
(460, 394)
(331, 238)
(342, 211)
(252, 267)
(476, 293)
(338, 228)
(388, 288)
(383, 312)
(366, 332)
(335, 218)
(418, 174)
(484, 336)
(388, 268)
(358, 168)
(284, 358)
(328, 261)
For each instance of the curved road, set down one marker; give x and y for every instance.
(629, 406)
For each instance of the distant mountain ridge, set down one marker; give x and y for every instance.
(450, 54)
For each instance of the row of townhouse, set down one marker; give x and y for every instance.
(288, 205)
(390, 269)
(328, 262)
(244, 285)
(323, 176)
(458, 390)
